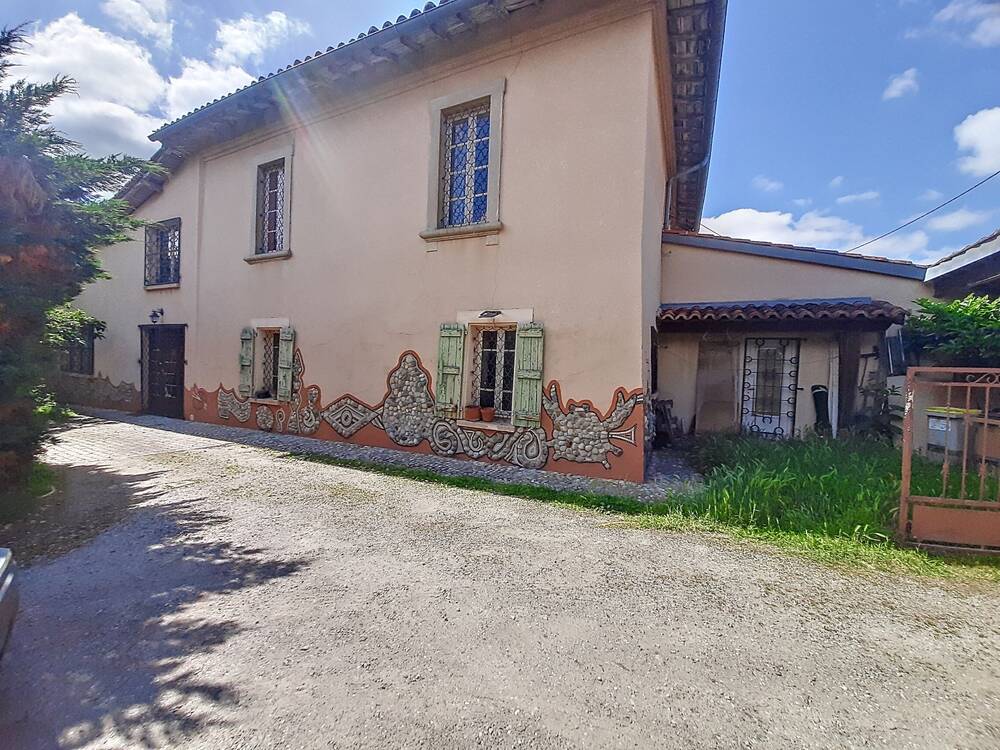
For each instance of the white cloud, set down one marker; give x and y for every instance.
(246, 38)
(802, 202)
(105, 127)
(149, 18)
(868, 195)
(955, 221)
(980, 134)
(816, 229)
(930, 194)
(837, 181)
(904, 246)
(901, 85)
(118, 87)
(200, 82)
(121, 95)
(978, 21)
(105, 67)
(766, 184)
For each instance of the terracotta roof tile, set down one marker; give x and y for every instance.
(763, 311)
(260, 79)
(982, 241)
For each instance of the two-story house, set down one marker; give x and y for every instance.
(442, 236)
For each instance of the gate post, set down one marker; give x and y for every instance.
(904, 486)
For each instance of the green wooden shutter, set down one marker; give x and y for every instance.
(286, 352)
(246, 361)
(527, 407)
(451, 357)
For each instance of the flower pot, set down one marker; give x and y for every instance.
(488, 413)
(472, 413)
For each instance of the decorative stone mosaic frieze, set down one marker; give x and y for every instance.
(576, 432)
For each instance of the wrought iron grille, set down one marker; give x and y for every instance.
(269, 365)
(79, 355)
(163, 253)
(270, 207)
(493, 369)
(770, 387)
(465, 159)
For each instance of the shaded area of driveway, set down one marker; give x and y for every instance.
(251, 601)
(103, 639)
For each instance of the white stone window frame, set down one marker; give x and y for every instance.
(439, 108)
(264, 158)
(475, 324)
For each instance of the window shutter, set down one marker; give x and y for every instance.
(246, 361)
(451, 356)
(527, 408)
(286, 352)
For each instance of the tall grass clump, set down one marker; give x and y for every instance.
(844, 488)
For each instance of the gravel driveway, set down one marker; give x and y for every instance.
(253, 601)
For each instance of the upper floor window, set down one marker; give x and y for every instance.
(465, 165)
(163, 253)
(464, 198)
(78, 357)
(270, 238)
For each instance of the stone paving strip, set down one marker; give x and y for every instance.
(668, 471)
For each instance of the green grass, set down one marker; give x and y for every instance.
(18, 503)
(811, 516)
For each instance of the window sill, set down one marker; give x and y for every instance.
(78, 375)
(167, 285)
(490, 426)
(463, 232)
(264, 257)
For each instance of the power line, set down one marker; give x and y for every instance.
(924, 215)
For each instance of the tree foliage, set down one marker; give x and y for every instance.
(54, 213)
(960, 333)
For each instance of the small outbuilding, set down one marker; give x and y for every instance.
(776, 340)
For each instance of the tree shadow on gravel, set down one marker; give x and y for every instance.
(105, 651)
(85, 501)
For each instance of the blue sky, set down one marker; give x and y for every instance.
(837, 120)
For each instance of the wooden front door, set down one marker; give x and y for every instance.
(163, 370)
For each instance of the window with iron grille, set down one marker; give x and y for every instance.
(270, 208)
(493, 369)
(465, 159)
(163, 253)
(78, 358)
(267, 387)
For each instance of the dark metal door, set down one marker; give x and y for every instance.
(770, 387)
(163, 370)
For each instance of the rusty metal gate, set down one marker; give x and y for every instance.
(950, 490)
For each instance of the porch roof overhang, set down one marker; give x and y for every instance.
(833, 314)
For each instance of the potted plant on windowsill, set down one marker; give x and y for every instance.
(472, 413)
(488, 413)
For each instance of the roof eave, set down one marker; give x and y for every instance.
(812, 255)
(696, 32)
